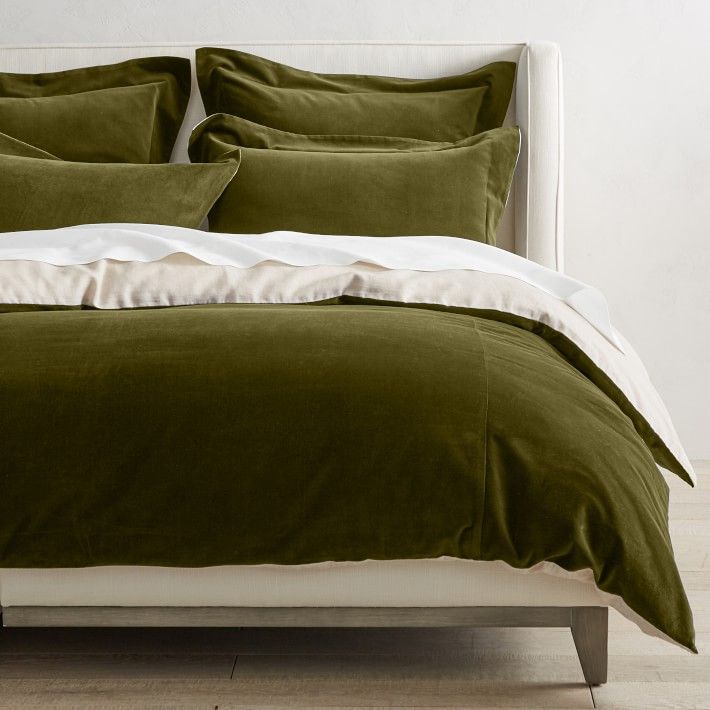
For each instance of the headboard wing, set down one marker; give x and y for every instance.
(532, 224)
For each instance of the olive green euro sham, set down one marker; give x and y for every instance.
(359, 185)
(126, 112)
(45, 193)
(290, 99)
(105, 125)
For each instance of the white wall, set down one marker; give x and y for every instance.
(637, 101)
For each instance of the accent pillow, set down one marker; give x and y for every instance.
(127, 112)
(38, 192)
(360, 185)
(290, 99)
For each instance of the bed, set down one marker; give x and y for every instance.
(425, 589)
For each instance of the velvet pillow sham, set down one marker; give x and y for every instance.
(359, 185)
(39, 191)
(108, 125)
(13, 146)
(126, 112)
(279, 96)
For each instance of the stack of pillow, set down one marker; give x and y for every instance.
(352, 154)
(319, 153)
(92, 145)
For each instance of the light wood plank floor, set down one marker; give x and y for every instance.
(268, 669)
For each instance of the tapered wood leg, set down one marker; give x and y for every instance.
(590, 631)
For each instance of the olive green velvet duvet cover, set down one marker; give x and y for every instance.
(178, 398)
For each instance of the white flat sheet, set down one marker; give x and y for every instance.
(146, 243)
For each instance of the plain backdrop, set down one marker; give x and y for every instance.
(637, 108)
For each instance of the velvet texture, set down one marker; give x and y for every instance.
(39, 191)
(360, 185)
(13, 146)
(127, 112)
(294, 100)
(229, 434)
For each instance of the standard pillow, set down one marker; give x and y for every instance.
(38, 192)
(359, 185)
(280, 96)
(127, 112)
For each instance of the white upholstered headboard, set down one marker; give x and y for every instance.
(532, 225)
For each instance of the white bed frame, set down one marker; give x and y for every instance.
(372, 593)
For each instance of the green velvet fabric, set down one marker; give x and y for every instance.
(280, 96)
(107, 125)
(13, 146)
(39, 191)
(228, 434)
(360, 185)
(129, 112)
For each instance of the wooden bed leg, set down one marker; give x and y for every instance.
(590, 630)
